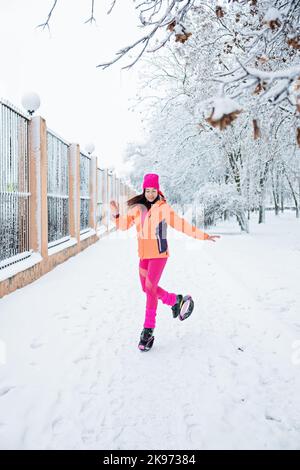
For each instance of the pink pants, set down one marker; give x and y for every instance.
(150, 271)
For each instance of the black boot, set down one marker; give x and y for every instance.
(177, 307)
(146, 339)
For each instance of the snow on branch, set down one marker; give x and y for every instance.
(258, 30)
(153, 15)
(224, 111)
(274, 87)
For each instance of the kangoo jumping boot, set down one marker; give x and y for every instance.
(146, 339)
(183, 307)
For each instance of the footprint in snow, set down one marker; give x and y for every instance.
(272, 418)
(82, 358)
(36, 344)
(56, 423)
(6, 390)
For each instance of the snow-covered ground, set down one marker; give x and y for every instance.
(226, 378)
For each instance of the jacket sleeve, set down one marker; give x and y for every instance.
(183, 226)
(124, 222)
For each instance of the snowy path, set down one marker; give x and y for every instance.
(224, 378)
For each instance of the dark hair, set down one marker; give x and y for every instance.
(141, 199)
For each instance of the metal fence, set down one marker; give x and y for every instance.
(109, 195)
(100, 196)
(85, 200)
(14, 185)
(58, 189)
(15, 196)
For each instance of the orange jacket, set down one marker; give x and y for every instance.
(152, 234)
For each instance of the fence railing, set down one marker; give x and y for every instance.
(100, 195)
(85, 170)
(57, 189)
(50, 191)
(109, 191)
(14, 185)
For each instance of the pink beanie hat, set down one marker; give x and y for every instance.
(151, 181)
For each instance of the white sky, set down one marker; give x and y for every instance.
(80, 102)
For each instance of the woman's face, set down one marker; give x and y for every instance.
(151, 194)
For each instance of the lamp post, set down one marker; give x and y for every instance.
(31, 102)
(90, 147)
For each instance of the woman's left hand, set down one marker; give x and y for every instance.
(212, 237)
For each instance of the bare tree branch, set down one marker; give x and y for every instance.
(269, 27)
(170, 13)
(43, 25)
(92, 18)
(112, 6)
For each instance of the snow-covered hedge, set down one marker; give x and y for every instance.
(216, 199)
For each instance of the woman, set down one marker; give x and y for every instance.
(151, 215)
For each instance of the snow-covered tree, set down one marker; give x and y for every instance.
(183, 143)
(254, 47)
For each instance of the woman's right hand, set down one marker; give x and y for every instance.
(114, 207)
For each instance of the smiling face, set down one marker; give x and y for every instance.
(151, 194)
